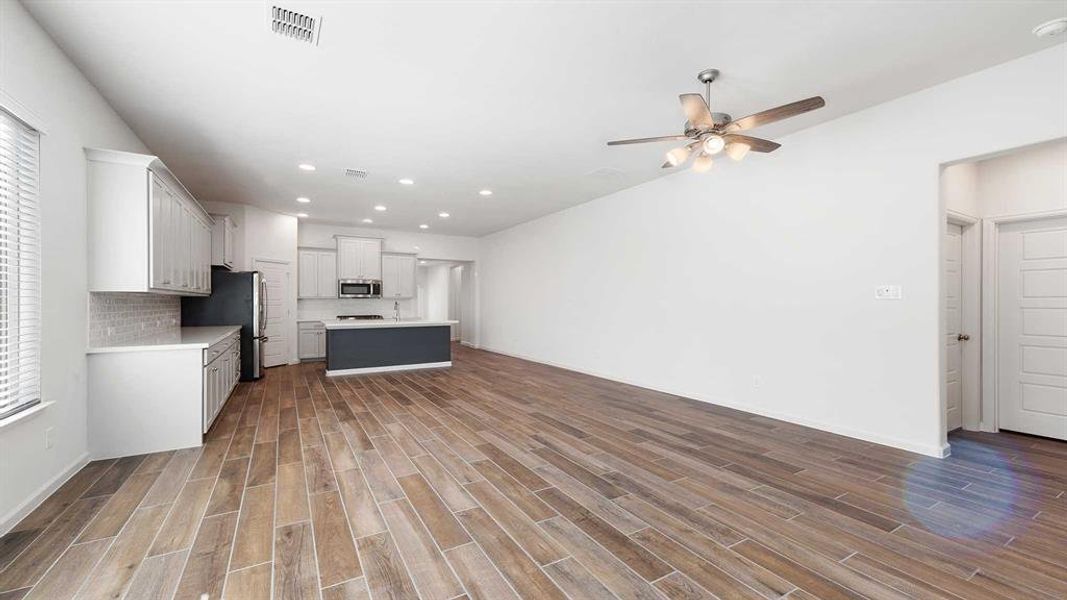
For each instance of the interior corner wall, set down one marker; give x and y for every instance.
(752, 286)
(35, 73)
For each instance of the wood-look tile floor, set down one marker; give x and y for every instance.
(501, 478)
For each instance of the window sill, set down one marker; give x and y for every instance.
(29, 413)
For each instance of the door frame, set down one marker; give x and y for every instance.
(970, 321)
(990, 231)
(289, 322)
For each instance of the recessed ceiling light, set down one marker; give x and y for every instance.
(302, 215)
(1051, 28)
(443, 215)
(424, 226)
(405, 181)
(306, 167)
(303, 200)
(380, 207)
(422, 262)
(368, 220)
(486, 192)
(416, 247)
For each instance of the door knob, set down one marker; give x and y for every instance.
(963, 337)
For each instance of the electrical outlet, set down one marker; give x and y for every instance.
(48, 443)
(757, 382)
(888, 292)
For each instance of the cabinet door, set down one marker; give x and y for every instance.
(227, 242)
(348, 258)
(159, 234)
(370, 252)
(390, 281)
(308, 343)
(321, 348)
(307, 270)
(327, 275)
(406, 276)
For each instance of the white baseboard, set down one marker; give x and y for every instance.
(365, 370)
(18, 513)
(934, 450)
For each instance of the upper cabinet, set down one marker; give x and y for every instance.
(146, 231)
(222, 233)
(398, 275)
(359, 258)
(316, 273)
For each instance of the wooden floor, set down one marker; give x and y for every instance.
(501, 478)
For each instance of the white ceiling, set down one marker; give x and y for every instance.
(519, 98)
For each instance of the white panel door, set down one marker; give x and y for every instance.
(276, 275)
(953, 271)
(1032, 327)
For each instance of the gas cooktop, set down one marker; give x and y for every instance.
(357, 317)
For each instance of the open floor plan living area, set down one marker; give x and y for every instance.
(343, 300)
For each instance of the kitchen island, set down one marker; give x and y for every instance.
(374, 346)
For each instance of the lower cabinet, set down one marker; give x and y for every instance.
(311, 340)
(222, 370)
(160, 396)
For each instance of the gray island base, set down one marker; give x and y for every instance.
(353, 349)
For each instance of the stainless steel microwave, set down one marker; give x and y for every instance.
(359, 288)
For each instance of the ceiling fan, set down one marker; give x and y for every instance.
(708, 133)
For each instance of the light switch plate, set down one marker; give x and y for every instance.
(888, 292)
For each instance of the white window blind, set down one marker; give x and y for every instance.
(20, 267)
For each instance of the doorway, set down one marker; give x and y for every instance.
(1004, 292)
(446, 291)
(961, 294)
(276, 275)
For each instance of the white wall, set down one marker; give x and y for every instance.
(763, 273)
(1030, 180)
(269, 235)
(36, 74)
(959, 188)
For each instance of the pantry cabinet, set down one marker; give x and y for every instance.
(146, 232)
(398, 275)
(359, 258)
(316, 273)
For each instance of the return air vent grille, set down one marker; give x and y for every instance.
(294, 25)
(357, 173)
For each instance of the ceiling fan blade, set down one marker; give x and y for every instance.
(697, 111)
(756, 144)
(666, 165)
(662, 138)
(776, 114)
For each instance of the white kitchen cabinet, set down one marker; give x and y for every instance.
(146, 232)
(316, 273)
(359, 258)
(222, 235)
(160, 394)
(222, 370)
(311, 340)
(398, 275)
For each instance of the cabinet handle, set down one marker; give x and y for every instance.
(214, 369)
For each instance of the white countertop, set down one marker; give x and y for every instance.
(186, 338)
(384, 323)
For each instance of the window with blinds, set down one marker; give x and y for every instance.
(20, 267)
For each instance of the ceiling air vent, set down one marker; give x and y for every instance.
(357, 173)
(293, 25)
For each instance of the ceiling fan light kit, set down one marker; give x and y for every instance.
(714, 132)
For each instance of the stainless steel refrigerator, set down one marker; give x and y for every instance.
(237, 298)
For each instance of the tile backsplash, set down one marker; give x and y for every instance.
(121, 318)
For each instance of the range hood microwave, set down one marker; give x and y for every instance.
(359, 288)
